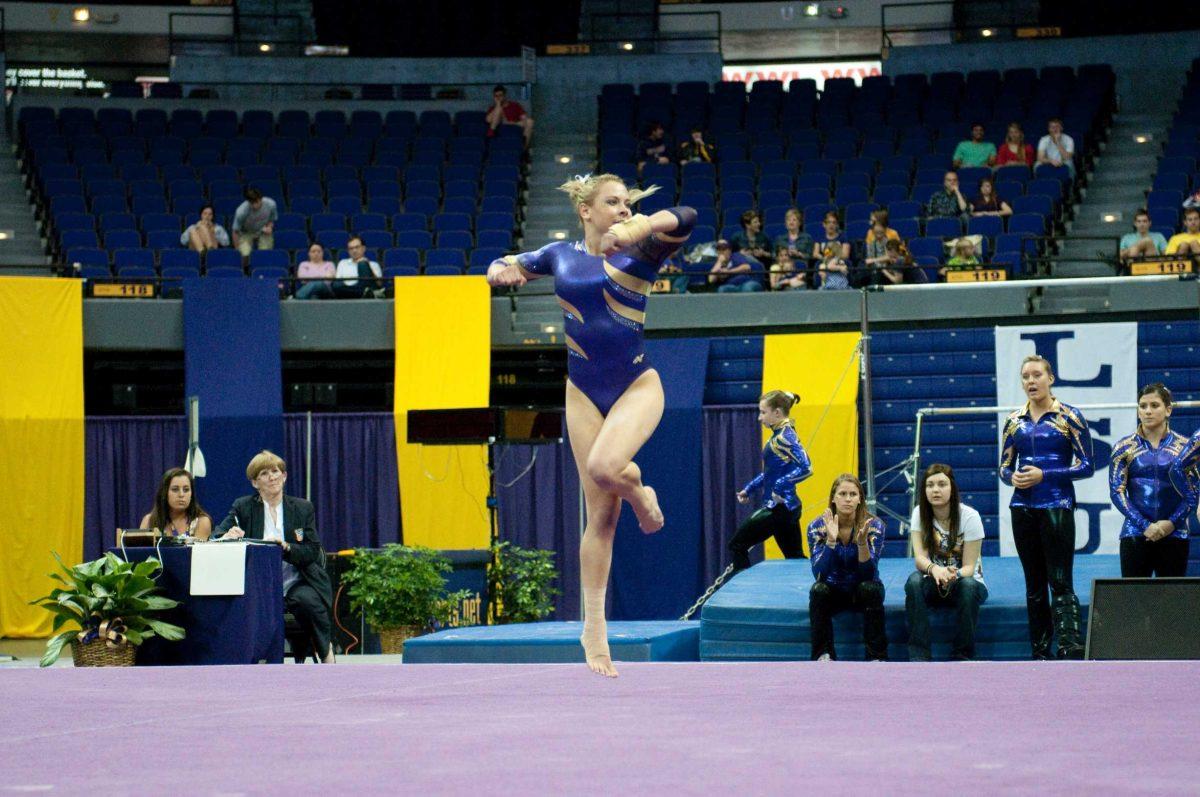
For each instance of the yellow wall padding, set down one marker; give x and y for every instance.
(443, 361)
(823, 369)
(41, 443)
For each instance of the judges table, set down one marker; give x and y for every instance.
(233, 629)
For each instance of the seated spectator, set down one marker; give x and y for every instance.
(356, 276)
(205, 234)
(903, 265)
(880, 218)
(784, 276)
(504, 111)
(697, 149)
(176, 511)
(947, 542)
(1187, 243)
(832, 253)
(752, 240)
(734, 272)
(1014, 149)
(271, 516)
(975, 151)
(964, 255)
(671, 278)
(1056, 147)
(1142, 242)
(888, 261)
(652, 148)
(1193, 201)
(846, 542)
(797, 243)
(315, 275)
(987, 203)
(254, 222)
(949, 202)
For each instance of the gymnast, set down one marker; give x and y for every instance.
(1185, 475)
(614, 398)
(1154, 535)
(785, 464)
(1046, 445)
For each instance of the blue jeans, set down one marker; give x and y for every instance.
(965, 596)
(749, 286)
(315, 289)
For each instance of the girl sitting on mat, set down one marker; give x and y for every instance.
(846, 542)
(947, 539)
(785, 464)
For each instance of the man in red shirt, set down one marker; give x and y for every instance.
(506, 112)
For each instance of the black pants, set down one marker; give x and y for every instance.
(965, 596)
(1141, 558)
(1045, 540)
(779, 522)
(312, 614)
(825, 601)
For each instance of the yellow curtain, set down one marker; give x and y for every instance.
(823, 369)
(41, 443)
(443, 361)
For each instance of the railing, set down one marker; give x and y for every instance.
(682, 32)
(899, 33)
(287, 34)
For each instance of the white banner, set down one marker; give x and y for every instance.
(1093, 364)
(820, 72)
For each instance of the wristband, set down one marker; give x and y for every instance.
(631, 230)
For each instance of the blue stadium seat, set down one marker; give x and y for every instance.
(414, 239)
(494, 239)
(162, 239)
(291, 239)
(269, 258)
(943, 227)
(987, 226)
(376, 239)
(402, 258)
(123, 258)
(122, 239)
(179, 259)
(222, 258)
(332, 239)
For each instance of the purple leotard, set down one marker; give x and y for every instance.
(604, 306)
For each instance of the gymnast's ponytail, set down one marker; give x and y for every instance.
(781, 400)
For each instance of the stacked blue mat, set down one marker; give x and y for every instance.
(554, 643)
(762, 613)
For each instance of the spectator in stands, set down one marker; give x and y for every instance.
(356, 275)
(784, 276)
(881, 218)
(1142, 242)
(1014, 149)
(1056, 147)
(254, 222)
(949, 202)
(883, 266)
(205, 234)
(964, 255)
(1187, 243)
(752, 240)
(987, 203)
(846, 542)
(735, 272)
(1045, 446)
(832, 253)
(504, 111)
(176, 511)
(653, 148)
(697, 149)
(947, 542)
(671, 278)
(1154, 536)
(975, 151)
(1193, 201)
(797, 243)
(315, 275)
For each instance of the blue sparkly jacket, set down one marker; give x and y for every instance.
(838, 565)
(1140, 484)
(785, 464)
(1184, 474)
(1059, 443)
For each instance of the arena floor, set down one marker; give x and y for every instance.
(787, 728)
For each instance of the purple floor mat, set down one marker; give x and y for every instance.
(984, 727)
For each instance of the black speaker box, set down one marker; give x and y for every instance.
(1144, 618)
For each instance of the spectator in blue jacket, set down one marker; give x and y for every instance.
(734, 272)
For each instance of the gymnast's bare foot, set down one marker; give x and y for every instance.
(595, 651)
(601, 663)
(651, 518)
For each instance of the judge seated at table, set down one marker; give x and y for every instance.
(272, 516)
(176, 511)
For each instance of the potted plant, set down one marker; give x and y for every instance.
(112, 603)
(519, 582)
(400, 591)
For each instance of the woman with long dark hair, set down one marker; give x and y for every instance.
(1154, 536)
(1046, 446)
(785, 464)
(176, 511)
(845, 543)
(947, 540)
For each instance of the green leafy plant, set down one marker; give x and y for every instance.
(110, 594)
(401, 586)
(520, 583)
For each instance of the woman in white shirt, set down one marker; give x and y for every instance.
(947, 540)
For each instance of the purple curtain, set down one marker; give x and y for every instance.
(355, 486)
(126, 457)
(540, 509)
(732, 456)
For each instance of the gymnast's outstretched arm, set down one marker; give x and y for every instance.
(671, 226)
(516, 270)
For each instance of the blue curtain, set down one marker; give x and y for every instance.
(732, 456)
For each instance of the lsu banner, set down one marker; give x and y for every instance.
(1093, 364)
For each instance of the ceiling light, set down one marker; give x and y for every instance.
(812, 9)
(81, 14)
(1141, 139)
(549, 329)
(558, 235)
(987, 33)
(564, 158)
(264, 48)
(6, 235)
(626, 46)
(1109, 218)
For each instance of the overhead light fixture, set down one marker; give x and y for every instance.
(626, 46)
(987, 33)
(264, 48)
(837, 12)
(1110, 218)
(812, 10)
(558, 235)
(6, 235)
(81, 14)
(1142, 139)
(564, 159)
(549, 329)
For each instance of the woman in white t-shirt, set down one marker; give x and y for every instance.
(947, 540)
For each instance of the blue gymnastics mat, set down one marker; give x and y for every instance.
(554, 643)
(762, 613)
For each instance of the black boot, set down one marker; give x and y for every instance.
(1040, 629)
(1066, 625)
